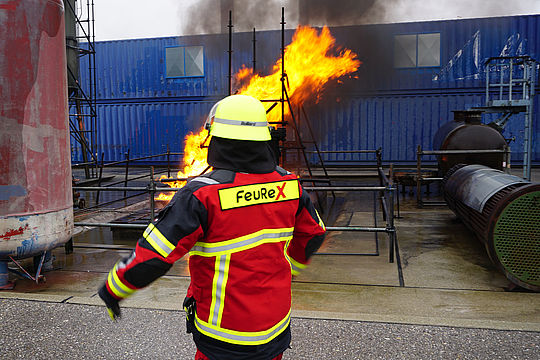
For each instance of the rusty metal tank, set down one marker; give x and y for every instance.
(503, 211)
(466, 132)
(36, 212)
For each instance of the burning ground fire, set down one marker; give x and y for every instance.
(309, 66)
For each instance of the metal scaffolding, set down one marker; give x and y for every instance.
(80, 42)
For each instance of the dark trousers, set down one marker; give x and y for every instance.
(200, 356)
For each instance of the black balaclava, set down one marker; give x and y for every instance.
(254, 157)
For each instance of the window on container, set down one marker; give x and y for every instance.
(417, 50)
(184, 61)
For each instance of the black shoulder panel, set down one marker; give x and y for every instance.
(182, 216)
(212, 178)
(223, 176)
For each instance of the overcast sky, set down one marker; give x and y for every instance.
(128, 19)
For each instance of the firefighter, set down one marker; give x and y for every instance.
(248, 227)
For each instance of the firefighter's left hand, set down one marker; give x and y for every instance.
(113, 306)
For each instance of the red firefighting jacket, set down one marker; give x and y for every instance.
(246, 235)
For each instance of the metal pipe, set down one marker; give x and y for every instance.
(391, 175)
(314, 180)
(100, 176)
(134, 178)
(168, 161)
(128, 188)
(282, 64)
(375, 223)
(309, 188)
(110, 202)
(152, 188)
(316, 146)
(419, 176)
(83, 164)
(384, 179)
(345, 188)
(254, 52)
(127, 171)
(297, 131)
(398, 260)
(356, 228)
(172, 180)
(346, 151)
(449, 152)
(390, 222)
(139, 158)
(386, 213)
(112, 225)
(230, 26)
(142, 226)
(271, 107)
(348, 254)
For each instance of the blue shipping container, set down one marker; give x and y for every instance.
(398, 101)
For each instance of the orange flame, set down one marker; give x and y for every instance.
(194, 162)
(309, 66)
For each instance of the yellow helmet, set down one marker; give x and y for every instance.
(239, 117)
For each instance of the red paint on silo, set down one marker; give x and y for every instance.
(35, 168)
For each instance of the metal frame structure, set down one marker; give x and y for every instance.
(420, 179)
(386, 190)
(284, 99)
(510, 90)
(129, 161)
(82, 103)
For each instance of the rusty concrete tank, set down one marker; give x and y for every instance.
(36, 212)
(467, 132)
(503, 211)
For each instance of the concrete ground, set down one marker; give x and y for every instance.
(49, 330)
(442, 299)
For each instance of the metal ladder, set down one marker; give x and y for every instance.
(510, 90)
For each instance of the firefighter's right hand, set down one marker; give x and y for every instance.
(113, 307)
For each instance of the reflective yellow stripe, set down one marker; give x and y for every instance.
(241, 337)
(219, 284)
(158, 241)
(111, 314)
(117, 287)
(287, 255)
(321, 223)
(296, 267)
(242, 243)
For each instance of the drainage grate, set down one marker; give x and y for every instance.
(516, 238)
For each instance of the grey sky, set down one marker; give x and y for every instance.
(127, 19)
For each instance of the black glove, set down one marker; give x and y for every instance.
(113, 307)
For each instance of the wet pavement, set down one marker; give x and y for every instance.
(450, 302)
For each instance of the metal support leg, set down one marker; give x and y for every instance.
(152, 192)
(419, 177)
(68, 247)
(26, 274)
(527, 144)
(390, 222)
(5, 284)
